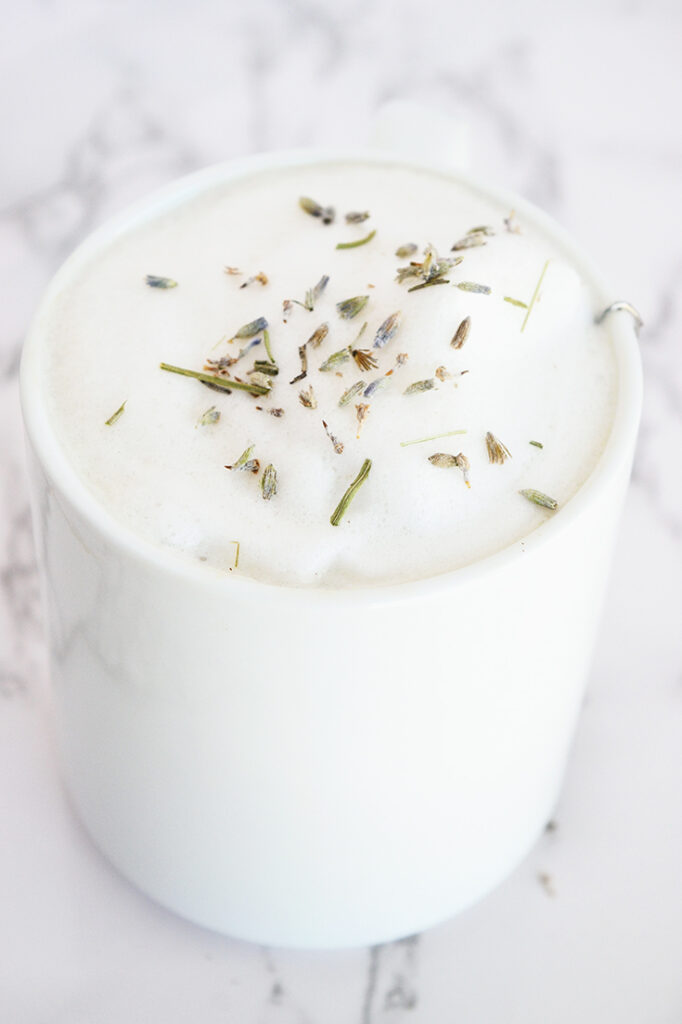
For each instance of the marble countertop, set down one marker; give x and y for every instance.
(576, 109)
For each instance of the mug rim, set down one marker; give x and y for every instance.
(55, 464)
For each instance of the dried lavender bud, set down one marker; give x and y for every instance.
(245, 463)
(335, 360)
(211, 415)
(419, 386)
(352, 392)
(268, 483)
(497, 452)
(307, 398)
(403, 252)
(388, 330)
(462, 333)
(538, 498)
(349, 308)
(324, 213)
(160, 282)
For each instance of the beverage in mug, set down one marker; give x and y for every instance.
(327, 455)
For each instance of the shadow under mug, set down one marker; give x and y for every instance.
(313, 767)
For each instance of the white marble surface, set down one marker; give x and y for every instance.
(576, 107)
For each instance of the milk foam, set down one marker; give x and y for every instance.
(163, 477)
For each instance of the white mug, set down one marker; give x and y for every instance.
(316, 767)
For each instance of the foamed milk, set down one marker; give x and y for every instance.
(161, 472)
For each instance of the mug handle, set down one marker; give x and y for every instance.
(411, 130)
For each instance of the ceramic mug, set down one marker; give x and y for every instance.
(315, 767)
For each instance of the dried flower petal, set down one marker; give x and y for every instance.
(211, 415)
(403, 252)
(462, 333)
(260, 277)
(419, 386)
(245, 463)
(445, 461)
(307, 398)
(361, 414)
(497, 452)
(325, 213)
(268, 483)
(538, 498)
(254, 327)
(352, 392)
(469, 242)
(364, 358)
(336, 444)
(318, 336)
(511, 223)
(471, 286)
(349, 308)
(160, 282)
(335, 360)
(442, 373)
(388, 330)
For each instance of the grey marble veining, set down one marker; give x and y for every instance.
(577, 110)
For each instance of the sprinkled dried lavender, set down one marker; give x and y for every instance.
(232, 271)
(336, 444)
(266, 367)
(361, 414)
(364, 358)
(236, 554)
(511, 223)
(497, 452)
(277, 413)
(307, 398)
(403, 252)
(260, 277)
(516, 302)
(160, 282)
(470, 241)
(318, 336)
(325, 213)
(471, 286)
(335, 360)
(357, 243)
(245, 464)
(342, 507)
(537, 444)
(442, 373)
(349, 308)
(115, 415)
(434, 437)
(419, 386)
(266, 342)
(535, 296)
(251, 329)
(352, 392)
(357, 218)
(219, 383)
(388, 330)
(429, 284)
(311, 295)
(211, 415)
(268, 483)
(538, 498)
(303, 355)
(445, 461)
(462, 333)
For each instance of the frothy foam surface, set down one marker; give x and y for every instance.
(163, 476)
